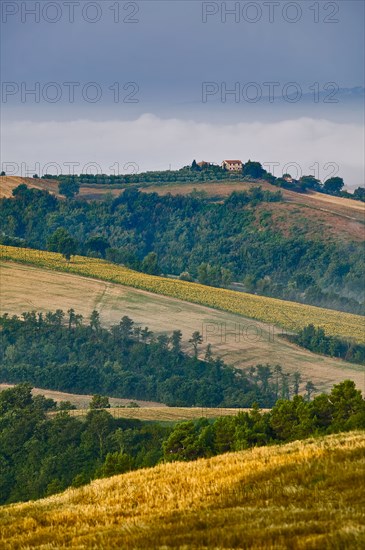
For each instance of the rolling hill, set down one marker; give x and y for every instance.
(301, 247)
(237, 339)
(306, 494)
(335, 216)
(312, 214)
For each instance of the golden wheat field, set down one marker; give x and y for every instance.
(303, 495)
(289, 315)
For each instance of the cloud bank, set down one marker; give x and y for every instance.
(306, 145)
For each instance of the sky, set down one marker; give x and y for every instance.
(154, 84)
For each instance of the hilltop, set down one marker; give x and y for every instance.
(305, 494)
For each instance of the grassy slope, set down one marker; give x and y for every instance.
(87, 192)
(147, 410)
(289, 315)
(8, 183)
(164, 414)
(312, 214)
(302, 495)
(82, 401)
(27, 288)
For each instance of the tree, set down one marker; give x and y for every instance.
(74, 319)
(203, 274)
(183, 443)
(224, 431)
(264, 375)
(3, 173)
(53, 487)
(126, 328)
(359, 194)
(95, 321)
(69, 189)
(43, 403)
(278, 372)
(303, 280)
(286, 417)
(196, 339)
(208, 353)
(285, 390)
(347, 403)
(254, 170)
(226, 276)
(297, 379)
(99, 402)
(62, 242)
(20, 191)
(99, 426)
(68, 248)
(176, 341)
(309, 388)
(309, 182)
(98, 245)
(116, 463)
(150, 264)
(19, 397)
(146, 334)
(333, 186)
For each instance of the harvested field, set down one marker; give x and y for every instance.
(238, 340)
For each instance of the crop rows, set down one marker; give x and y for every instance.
(289, 315)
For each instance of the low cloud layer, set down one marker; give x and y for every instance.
(299, 146)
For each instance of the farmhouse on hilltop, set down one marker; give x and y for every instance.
(232, 165)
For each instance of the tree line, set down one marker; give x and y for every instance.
(316, 340)
(198, 173)
(58, 351)
(41, 454)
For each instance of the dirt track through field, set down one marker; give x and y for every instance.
(238, 340)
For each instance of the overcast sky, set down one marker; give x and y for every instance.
(149, 82)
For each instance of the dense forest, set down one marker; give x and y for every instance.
(58, 351)
(43, 452)
(214, 243)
